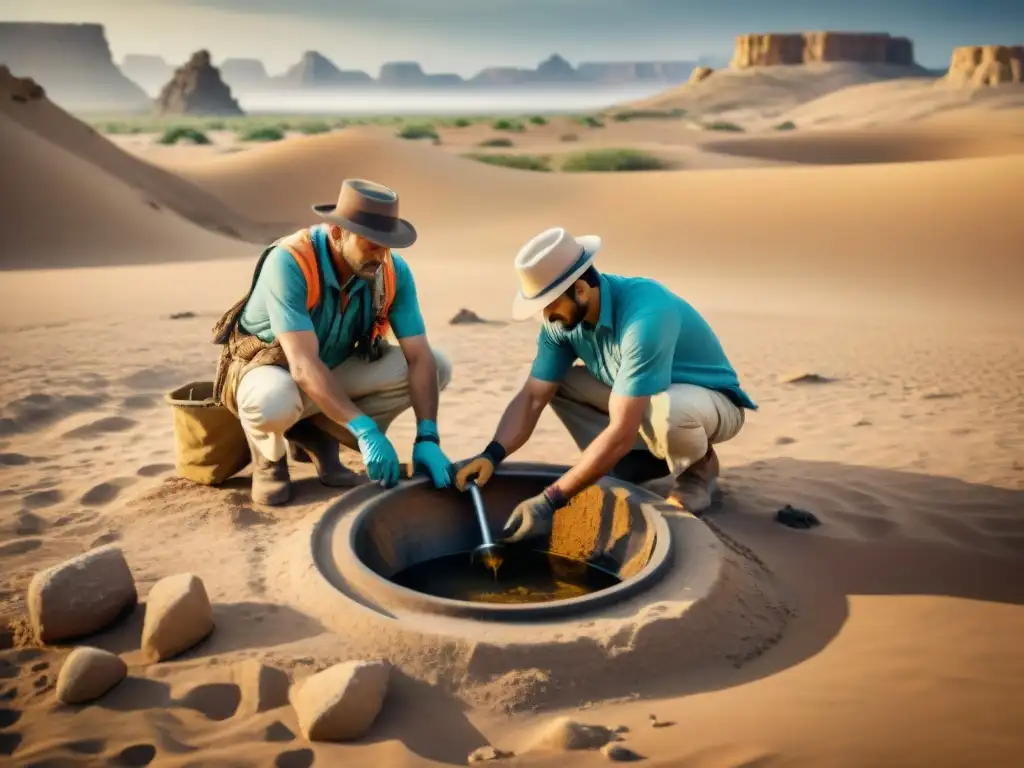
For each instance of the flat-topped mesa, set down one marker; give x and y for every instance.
(197, 89)
(984, 65)
(759, 50)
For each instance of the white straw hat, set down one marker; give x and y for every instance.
(548, 265)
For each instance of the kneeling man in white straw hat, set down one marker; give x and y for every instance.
(654, 384)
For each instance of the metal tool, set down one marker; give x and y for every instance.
(488, 552)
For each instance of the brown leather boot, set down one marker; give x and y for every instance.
(322, 450)
(271, 484)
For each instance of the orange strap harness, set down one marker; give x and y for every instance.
(301, 247)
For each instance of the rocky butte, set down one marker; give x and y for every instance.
(314, 69)
(73, 63)
(984, 65)
(758, 50)
(197, 89)
(151, 72)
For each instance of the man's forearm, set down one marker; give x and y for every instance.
(518, 422)
(319, 383)
(598, 459)
(423, 387)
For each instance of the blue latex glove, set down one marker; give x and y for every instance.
(531, 519)
(382, 464)
(428, 458)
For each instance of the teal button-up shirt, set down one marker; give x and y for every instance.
(645, 339)
(278, 303)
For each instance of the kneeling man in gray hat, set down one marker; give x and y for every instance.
(654, 381)
(306, 362)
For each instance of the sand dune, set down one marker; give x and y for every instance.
(861, 224)
(760, 92)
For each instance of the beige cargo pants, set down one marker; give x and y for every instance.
(270, 402)
(678, 426)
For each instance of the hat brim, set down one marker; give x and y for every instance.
(524, 308)
(402, 236)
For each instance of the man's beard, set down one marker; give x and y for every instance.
(364, 270)
(579, 312)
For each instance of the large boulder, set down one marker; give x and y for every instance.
(758, 50)
(197, 89)
(178, 615)
(87, 674)
(341, 702)
(985, 65)
(80, 596)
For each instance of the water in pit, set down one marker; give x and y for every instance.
(524, 577)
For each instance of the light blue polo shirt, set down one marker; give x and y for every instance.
(646, 339)
(278, 303)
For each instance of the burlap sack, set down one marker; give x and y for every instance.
(209, 443)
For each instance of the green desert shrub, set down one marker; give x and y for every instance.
(261, 133)
(648, 114)
(178, 133)
(789, 125)
(590, 121)
(724, 125)
(611, 160)
(521, 162)
(461, 122)
(539, 120)
(508, 125)
(313, 127)
(418, 131)
(499, 142)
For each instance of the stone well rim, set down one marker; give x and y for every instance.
(362, 501)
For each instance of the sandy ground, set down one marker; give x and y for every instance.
(898, 278)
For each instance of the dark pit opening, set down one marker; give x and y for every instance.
(419, 541)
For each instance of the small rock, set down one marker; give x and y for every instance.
(620, 729)
(182, 315)
(784, 440)
(341, 703)
(87, 674)
(796, 518)
(466, 317)
(178, 615)
(262, 687)
(483, 754)
(802, 377)
(862, 423)
(566, 734)
(80, 596)
(619, 754)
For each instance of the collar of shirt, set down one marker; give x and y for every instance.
(607, 310)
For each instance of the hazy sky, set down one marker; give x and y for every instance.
(465, 35)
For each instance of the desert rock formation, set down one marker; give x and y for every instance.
(73, 63)
(20, 89)
(244, 73)
(197, 89)
(700, 73)
(151, 72)
(757, 50)
(981, 65)
(315, 69)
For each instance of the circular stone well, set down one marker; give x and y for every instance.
(414, 524)
(685, 598)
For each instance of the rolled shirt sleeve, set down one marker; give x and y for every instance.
(647, 348)
(554, 357)
(284, 294)
(405, 316)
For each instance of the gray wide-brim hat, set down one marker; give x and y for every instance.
(548, 265)
(370, 210)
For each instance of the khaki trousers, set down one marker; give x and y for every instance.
(678, 425)
(270, 402)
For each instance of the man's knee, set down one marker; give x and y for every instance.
(444, 368)
(268, 399)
